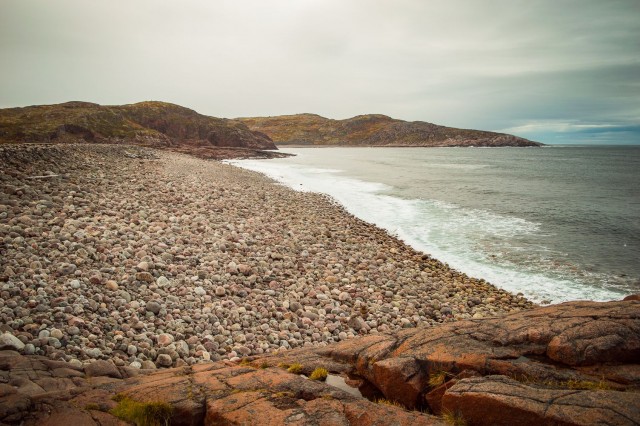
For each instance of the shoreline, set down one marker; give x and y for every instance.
(162, 259)
(281, 145)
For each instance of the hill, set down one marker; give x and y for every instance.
(373, 130)
(157, 124)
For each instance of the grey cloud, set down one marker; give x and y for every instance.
(492, 65)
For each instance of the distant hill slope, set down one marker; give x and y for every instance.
(157, 124)
(373, 130)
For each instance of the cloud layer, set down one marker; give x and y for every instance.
(551, 71)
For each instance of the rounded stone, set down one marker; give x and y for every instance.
(163, 281)
(165, 339)
(56, 333)
(111, 285)
(164, 360)
(11, 342)
(153, 306)
(93, 353)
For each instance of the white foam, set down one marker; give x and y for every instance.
(448, 232)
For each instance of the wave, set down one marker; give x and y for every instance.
(479, 243)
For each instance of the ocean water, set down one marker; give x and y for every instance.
(554, 223)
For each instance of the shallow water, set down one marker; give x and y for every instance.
(555, 223)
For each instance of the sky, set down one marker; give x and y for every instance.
(554, 71)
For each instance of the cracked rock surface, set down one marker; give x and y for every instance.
(488, 372)
(581, 356)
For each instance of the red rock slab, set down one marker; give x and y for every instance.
(498, 400)
(372, 414)
(105, 419)
(400, 379)
(177, 390)
(250, 408)
(434, 397)
(101, 398)
(597, 341)
(64, 416)
(309, 359)
(349, 350)
(278, 380)
(263, 408)
(208, 381)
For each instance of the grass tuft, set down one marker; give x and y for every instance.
(586, 385)
(295, 368)
(319, 374)
(142, 413)
(453, 419)
(392, 403)
(437, 378)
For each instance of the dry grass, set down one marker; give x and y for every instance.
(453, 419)
(155, 413)
(392, 403)
(437, 378)
(585, 385)
(295, 368)
(319, 374)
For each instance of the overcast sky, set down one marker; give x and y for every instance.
(553, 71)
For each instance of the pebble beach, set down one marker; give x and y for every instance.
(152, 259)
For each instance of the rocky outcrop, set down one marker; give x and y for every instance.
(501, 401)
(38, 391)
(157, 124)
(499, 371)
(373, 130)
(545, 365)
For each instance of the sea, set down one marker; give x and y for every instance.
(556, 223)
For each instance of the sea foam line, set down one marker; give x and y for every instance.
(432, 227)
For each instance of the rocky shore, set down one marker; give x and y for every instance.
(151, 287)
(158, 259)
(570, 364)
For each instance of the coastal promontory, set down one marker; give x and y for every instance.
(374, 130)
